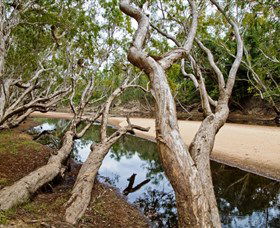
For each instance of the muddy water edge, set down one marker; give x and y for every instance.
(133, 167)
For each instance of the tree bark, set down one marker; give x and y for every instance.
(81, 193)
(21, 191)
(192, 204)
(2, 40)
(200, 150)
(193, 207)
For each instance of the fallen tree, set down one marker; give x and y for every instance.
(81, 193)
(24, 188)
(188, 169)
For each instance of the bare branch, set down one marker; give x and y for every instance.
(191, 76)
(166, 35)
(195, 81)
(142, 20)
(105, 113)
(216, 69)
(202, 88)
(172, 56)
(239, 54)
(269, 58)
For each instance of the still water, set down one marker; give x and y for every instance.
(244, 199)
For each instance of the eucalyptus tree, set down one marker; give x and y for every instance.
(187, 168)
(259, 22)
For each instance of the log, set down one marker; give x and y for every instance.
(24, 188)
(129, 189)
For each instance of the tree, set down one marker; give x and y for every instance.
(29, 78)
(259, 22)
(20, 99)
(24, 188)
(81, 193)
(188, 169)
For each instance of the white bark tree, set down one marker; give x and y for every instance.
(19, 99)
(81, 193)
(188, 169)
(24, 188)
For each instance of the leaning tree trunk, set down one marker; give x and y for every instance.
(21, 191)
(200, 150)
(192, 204)
(81, 193)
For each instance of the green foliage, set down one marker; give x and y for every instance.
(3, 218)
(94, 28)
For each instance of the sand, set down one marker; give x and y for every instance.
(248, 147)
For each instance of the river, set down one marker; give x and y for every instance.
(244, 199)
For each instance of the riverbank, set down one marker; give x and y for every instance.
(249, 147)
(20, 155)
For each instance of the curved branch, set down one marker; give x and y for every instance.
(172, 56)
(142, 20)
(202, 88)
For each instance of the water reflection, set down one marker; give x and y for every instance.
(244, 199)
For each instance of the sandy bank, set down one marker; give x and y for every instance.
(249, 147)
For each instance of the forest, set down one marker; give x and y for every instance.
(106, 65)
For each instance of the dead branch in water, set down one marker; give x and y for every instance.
(129, 189)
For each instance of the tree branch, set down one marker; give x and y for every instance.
(239, 54)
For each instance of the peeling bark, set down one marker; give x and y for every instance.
(192, 204)
(19, 100)
(81, 193)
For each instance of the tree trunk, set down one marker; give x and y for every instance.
(21, 191)
(192, 203)
(81, 193)
(4, 95)
(2, 43)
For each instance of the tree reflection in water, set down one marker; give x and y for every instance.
(244, 199)
(159, 207)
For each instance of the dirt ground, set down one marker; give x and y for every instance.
(20, 155)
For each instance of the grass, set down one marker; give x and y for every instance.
(5, 216)
(11, 142)
(4, 181)
(34, 208)
(59, 201)
(98, 208)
